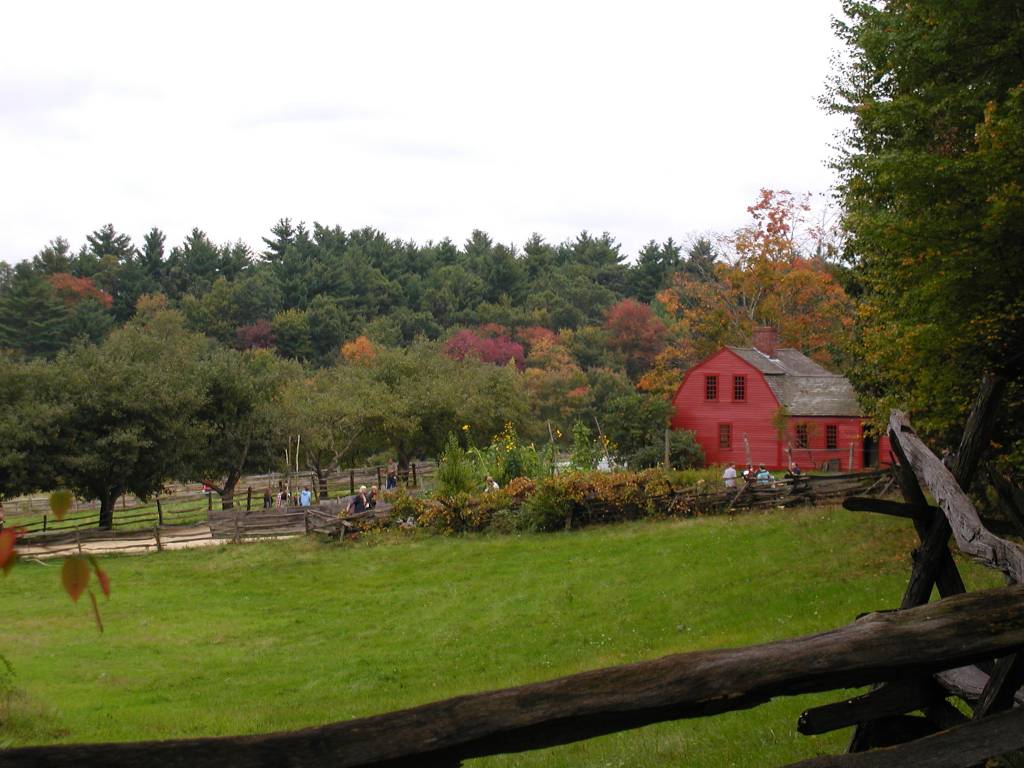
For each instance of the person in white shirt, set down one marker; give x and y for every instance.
(729, 476)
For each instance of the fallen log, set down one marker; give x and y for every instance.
(878, 647)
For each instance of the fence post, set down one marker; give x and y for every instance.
(414, 483)
(156, 533)
(248, 499)
(352, 481)
(44, 523)
(209, 501)
(238, 536)
(159, 512)
(379, 483)
(78, 540)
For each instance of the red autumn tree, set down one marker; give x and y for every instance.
(73, 289)
(635, 333)
(498, 350)
(258, 335)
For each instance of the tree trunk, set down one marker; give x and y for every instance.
(316, 464)
(107, 501)
(403, 462)
(227, 495)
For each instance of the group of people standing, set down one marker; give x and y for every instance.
(365, 499)
(761, 475)
(304, 498)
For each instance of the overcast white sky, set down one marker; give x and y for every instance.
(423, 119)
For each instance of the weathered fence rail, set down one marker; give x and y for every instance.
(788, 492)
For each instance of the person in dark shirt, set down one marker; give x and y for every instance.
(358, 503)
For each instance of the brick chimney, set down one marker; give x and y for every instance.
(766, 340)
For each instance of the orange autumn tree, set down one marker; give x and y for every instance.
(769, 280)
(359, 350)
(73, 289)
(555, 383)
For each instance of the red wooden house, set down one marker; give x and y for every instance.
(764, 404)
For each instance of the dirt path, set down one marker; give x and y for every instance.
(130, 543)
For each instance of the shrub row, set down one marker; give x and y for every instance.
(570, 500)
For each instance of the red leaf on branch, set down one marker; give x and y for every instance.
(7, 555)
(102, 576)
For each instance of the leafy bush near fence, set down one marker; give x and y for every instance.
(506, 458)
(553, 503)
(684, 451)
(584, 498)
(456, 471)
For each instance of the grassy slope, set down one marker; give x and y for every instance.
(261, 637)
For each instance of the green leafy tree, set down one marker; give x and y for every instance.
(33, 320)
(239, 417)
(152, 257)
(425, 395)
(127, 411)
(213, 311)
(335, 414)
(329, 326)
(55, 257)
(292, 331)
(634, 422)
(932, 171)
(89, 319)
(193, 266)
(684, 452)
(654, 264)
(28, 426)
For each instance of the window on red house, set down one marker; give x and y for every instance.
(739, 387)
(831, 437)
(725, 435)
(710, 387)
(801, 436)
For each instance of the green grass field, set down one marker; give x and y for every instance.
(279, 635)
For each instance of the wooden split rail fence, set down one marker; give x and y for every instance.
(183, 503)
(221, 525)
